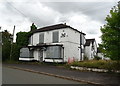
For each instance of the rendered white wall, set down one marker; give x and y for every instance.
(35, 54)
(71, 51)
(71, 36)
(87, 51)
(47, 37)
(71, 42)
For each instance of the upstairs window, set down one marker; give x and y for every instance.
(41, 38)
(31, 40)
(55, 37)
(82, 39)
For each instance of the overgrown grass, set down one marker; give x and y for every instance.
(110, 65)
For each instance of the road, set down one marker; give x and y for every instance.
(106, 79)
(14, 76)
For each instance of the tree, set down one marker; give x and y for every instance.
(111, 34)
(33, 27)
(22, 38)
(6, 45)
(15, 52)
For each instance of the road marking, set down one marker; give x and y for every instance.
(59, 76)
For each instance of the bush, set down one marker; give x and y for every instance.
(85, 58)
(97, 58)
(15, 52)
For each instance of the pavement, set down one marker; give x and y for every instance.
(104, 79)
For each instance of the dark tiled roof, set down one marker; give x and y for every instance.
(54, 27)
(88, 41)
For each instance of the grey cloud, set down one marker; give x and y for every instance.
(14, 13)
(92, 32)
(48, 13)
(95, 10)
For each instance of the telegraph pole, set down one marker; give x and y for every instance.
(12, 43)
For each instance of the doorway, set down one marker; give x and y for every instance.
(41, 55)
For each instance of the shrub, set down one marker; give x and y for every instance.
(85, 58)
(97, 58)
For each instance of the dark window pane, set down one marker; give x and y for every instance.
(41, 38)
(31, 53)
(55, 37)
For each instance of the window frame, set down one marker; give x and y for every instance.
(55, 37)
(41, 37)
(51, 52)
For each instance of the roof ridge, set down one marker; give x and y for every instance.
(54, 27)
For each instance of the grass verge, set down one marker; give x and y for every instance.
(101, 64)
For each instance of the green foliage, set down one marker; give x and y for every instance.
(33, 27)
(22, 38)
(15, 52)
(6, 36)
(85, 58)
(97, 58)
(110, 65)
(6, 45)
(111, 34)
(21, 41)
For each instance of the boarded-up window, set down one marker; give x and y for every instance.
(41, 38)
(24, 53)
(55, 37)
(82, 39)
(53, 52)
(29, 40)
(31, 53)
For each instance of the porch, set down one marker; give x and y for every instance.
(48, 52)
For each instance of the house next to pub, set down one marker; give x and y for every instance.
(56, 43)
(90, 49)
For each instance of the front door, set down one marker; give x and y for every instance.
(40, 55)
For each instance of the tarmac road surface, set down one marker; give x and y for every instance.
(106, 79)
(14, 76)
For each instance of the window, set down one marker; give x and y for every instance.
(31, 53)
(82, 39)
(41, 38)
(53, 52)
(24, 53)
(31, 40)
(55, 37)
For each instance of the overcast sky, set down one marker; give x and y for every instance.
(85, 15)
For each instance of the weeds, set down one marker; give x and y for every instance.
(102, 64)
